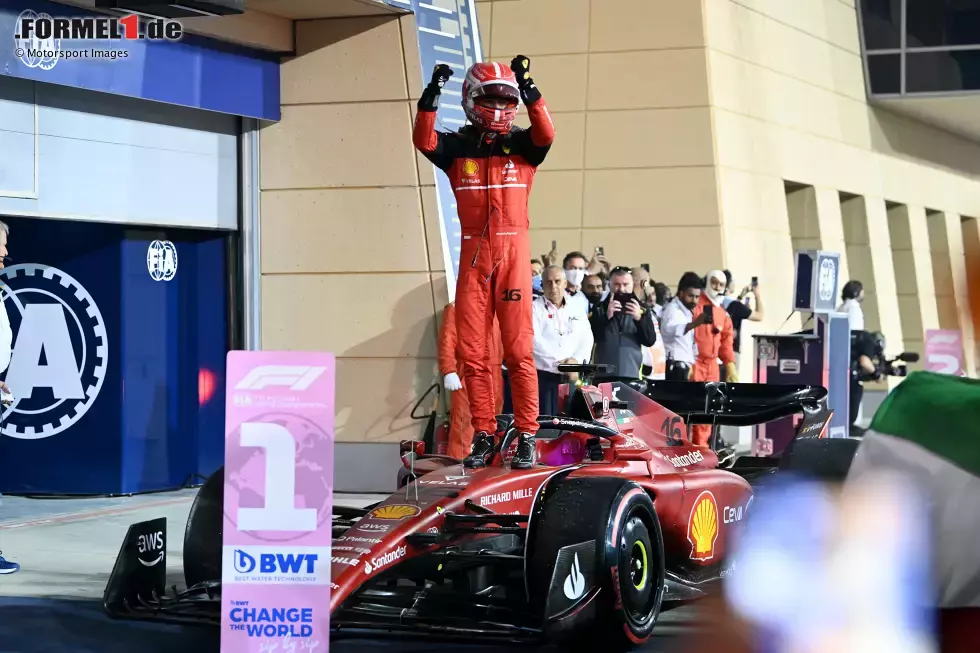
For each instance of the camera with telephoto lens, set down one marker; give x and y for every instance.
(874, 340)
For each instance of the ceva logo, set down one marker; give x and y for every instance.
(275, 563)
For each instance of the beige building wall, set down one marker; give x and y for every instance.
(632, 165)
(351, 256)
(678, 126)
(789, 103)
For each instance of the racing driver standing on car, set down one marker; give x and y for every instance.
(491, 166)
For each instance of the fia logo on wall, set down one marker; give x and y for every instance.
(161, 260)
(827, 282)
(60, 352)
(34, 51)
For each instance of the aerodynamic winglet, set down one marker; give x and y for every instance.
(140, 569)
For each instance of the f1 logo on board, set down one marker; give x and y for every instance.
(60, 353)
(295, 377)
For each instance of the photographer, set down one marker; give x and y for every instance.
(622, 327)
(864, 350)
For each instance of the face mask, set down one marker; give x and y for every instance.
(575, 276)
(536, 282)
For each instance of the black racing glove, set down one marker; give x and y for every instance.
(521, 66)
(429, 99)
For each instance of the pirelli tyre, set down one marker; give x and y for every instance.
(595, 564)
(203, 533)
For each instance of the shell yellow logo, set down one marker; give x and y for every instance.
(702, 531)
(506, 149)
(394, 512)
(470, 167)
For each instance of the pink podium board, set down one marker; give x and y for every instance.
(944, 351)
(278, 504)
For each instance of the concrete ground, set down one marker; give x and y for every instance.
(67, 548)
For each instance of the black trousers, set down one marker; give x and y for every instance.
(548, 383)
(857, 393)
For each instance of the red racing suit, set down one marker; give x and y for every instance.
(491, 177)
(460, 427)
(713, 341)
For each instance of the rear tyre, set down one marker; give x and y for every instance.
(603, 533)
(202, 536)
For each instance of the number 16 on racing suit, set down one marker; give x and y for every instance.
(491, 166)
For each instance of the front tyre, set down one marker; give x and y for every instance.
(603, 533)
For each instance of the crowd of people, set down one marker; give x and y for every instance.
(586, 310)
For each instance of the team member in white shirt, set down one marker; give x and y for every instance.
(851, 298)
(677, 327)
(561, 335)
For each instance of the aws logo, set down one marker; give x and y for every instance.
(60, 352)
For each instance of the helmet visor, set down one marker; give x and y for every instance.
(499, 92)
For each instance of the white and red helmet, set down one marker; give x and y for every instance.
(491, 96)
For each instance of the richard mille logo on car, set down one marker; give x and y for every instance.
(150, 548)
(504, 497)
(60, 351)
(687, 459)
(384, 560)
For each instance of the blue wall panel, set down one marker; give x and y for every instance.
(195, 71)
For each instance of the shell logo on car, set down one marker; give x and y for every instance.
(702, 530)
(394, 512)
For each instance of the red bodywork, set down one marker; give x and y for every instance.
(651, 448)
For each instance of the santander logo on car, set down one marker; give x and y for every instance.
(384, 560)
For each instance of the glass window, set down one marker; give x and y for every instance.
(932, 23)
(882, 21)
(935, 72)
(885, 72)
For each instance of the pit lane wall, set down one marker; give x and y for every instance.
(690, 135)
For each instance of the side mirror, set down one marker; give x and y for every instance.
(411, 446)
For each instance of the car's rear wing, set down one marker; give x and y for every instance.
(742, 404)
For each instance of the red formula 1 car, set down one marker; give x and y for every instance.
(621, 518)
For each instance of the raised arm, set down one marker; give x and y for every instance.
(427, 140)
(542, 132)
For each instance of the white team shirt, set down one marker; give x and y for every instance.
(6, 334)
(578, 302)
(855, 314)
(678, 345)
(560, 332)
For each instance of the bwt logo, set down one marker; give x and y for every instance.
(295, 377)
(275, 563)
